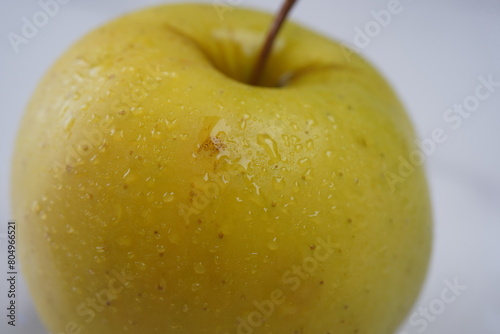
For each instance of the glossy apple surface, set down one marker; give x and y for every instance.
(156, 192)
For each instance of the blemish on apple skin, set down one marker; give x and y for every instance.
(212, 145)
(221, 235)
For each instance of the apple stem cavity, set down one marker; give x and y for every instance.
(268, 43)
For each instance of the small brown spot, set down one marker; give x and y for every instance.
(131, 152)
(199, 221)
(223, 282)
(346, 307)
(155, 232)
(68, 168)
(161, 254)
(112, 76)
(108, 303)
(139, 294)
(313, 247)
(221, 235)
(121, 112)
(160, 288)
(125, 186)
(273, 204)
(322, 282)
(349, 220)
(212, 145)
(85, 148)
(303, 177)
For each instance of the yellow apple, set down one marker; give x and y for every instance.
(157, 192)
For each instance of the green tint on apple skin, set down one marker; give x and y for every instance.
(156, 192)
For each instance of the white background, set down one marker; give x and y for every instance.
(432, 52)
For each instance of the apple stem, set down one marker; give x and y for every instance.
(268, 43)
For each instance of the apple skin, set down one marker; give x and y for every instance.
(155, 192)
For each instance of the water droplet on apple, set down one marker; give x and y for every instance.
(76, 290)
(140, 265)
(168, 197)
(328, 154)
(270, 147)
(162, 285)
(150, 196)
(243, 162)
(100, 249)
(310, 123)
(130, 255)
(99, 258)
(36, 207)
(278, 182)
(199, 268)
(243, 123)
(68, 123)
(94, 71)
(273, 244)
(195, 287)
(315, 214)
(257, 188)
(70, 229)
(304, 161)
(76, 96)
(185, 308)
(85, 107)
(170, 124)
(160, 248)
(310, 144)
(220, 129)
